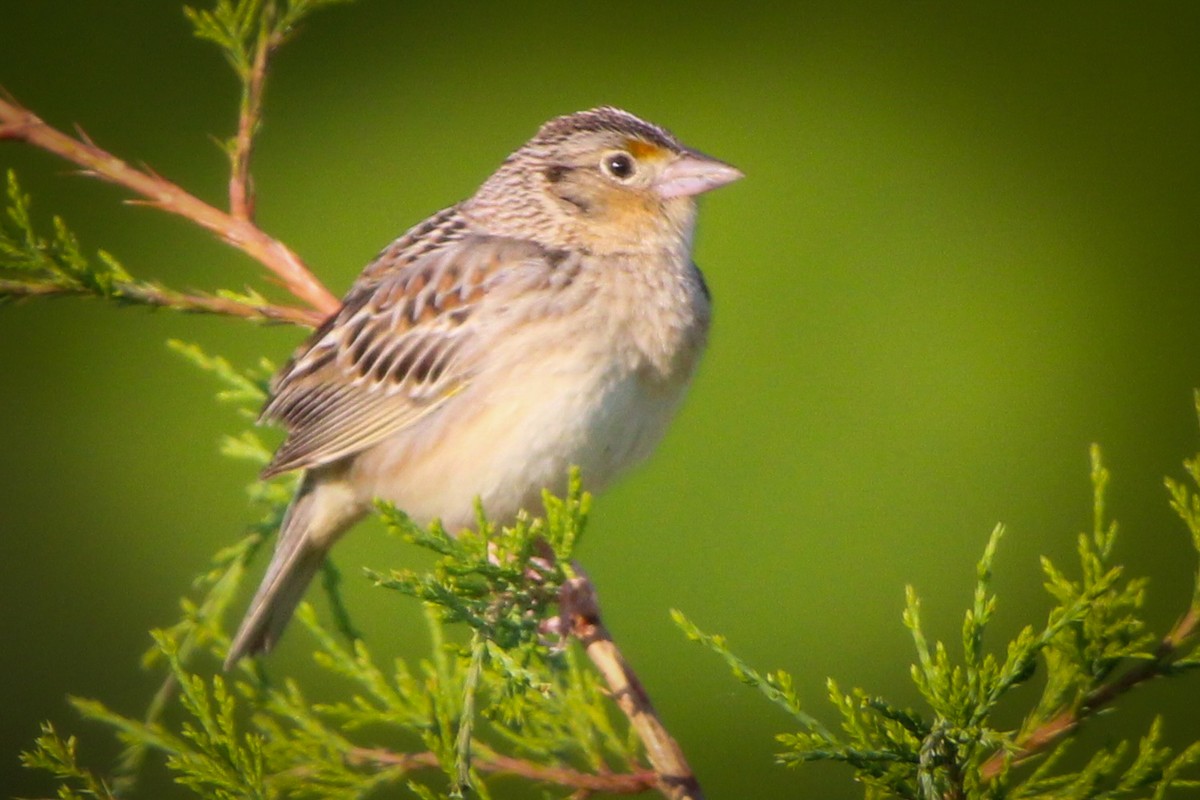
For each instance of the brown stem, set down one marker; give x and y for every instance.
(21, 124)
(151, 295)
(241, 188)
(581, 613)
(615, 783)
(1058, 726)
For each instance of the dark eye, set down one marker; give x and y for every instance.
(619, 165)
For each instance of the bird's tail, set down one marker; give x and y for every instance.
(305, 536)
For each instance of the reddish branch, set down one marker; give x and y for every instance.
(613, 783)
(22, 124)
(152, 295)
(580, 613)
(1049, 732)
(241, 188)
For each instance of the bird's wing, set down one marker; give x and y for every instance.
(405, 341)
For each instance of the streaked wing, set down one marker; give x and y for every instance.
(406, 340)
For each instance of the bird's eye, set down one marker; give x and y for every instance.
(619, 165)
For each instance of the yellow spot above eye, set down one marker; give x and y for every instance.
(641, 149)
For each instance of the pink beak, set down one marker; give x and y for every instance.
(694, 173)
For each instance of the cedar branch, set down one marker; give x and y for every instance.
(1049, 732)
(21, 124)
(614, 783)
(241, 186)
(580, 612)
(160, 297)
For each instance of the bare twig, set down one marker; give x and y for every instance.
(19, 123)
(580, 613)
(1049, 732)
(493, 763)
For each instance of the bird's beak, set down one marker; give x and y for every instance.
(694, 173)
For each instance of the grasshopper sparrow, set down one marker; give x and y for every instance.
(553, 319)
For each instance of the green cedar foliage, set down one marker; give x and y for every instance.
(1092, 647)
(37, 264)
(32, 263)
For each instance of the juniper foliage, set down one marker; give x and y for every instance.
(1093, 647)
(34, 263)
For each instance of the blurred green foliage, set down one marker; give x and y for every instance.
(967, 247)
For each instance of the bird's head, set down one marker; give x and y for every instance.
(605, 180)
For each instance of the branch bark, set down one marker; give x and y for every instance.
(21, 124)
(580, 612)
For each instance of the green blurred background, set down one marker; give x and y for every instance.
(967, 246)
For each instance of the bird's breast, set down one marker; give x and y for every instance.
(590, 382)
(660, 313)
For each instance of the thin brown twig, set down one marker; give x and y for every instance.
(157, 296)
(1058, 726)
(580, 611)
(19, 123)
(493, 763)
(241, 186)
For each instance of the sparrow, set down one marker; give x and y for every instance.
(553, 319)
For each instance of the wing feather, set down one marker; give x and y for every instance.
(405, 341)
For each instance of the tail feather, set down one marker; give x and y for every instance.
(307, 533)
